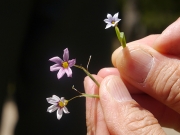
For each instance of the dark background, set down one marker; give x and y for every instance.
(33, 31)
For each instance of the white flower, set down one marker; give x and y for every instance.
(111, 21)
(57, 104)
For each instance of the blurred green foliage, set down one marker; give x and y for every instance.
(156, 15)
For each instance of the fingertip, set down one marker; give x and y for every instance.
(168, 41)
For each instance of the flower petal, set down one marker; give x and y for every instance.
(55, 67)
(51, 101)
(107, 21)
(109, 16)
(52, 108)
(56, 98)
(60, 73)
(72, 62)
(68, 72)
(62, 99)
(59, 113)
(65, 110)
(117, 20)
(56, 60)
(66, 54)
(108, 25)
(116, 15)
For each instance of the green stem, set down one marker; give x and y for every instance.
(75, 97)
(87, 72)
(90, 95)
(121, 37)
(84, 95)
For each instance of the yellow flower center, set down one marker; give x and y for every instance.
(113, 22)
(65, 64)
(62, 104)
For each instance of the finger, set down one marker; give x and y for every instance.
(150, 71)
(165, 115)
(108, 71)
(169, 41)
(114, 71)
(149, 40)
(94, 116)
(122, 114)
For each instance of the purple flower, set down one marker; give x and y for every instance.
(111, 21)
(63, 65)
(57, 104)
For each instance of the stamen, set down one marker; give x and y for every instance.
(65, 64)
(113, 22)
(61, 104)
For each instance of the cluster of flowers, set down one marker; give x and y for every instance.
(64, 66)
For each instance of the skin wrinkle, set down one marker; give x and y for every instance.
(144, 125)
(169, 88)
(93, 104)
(169, 99)
(158, 82)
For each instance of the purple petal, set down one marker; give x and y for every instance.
(59, 113)
(55, 67)
(108, 25)
(60, 73)
(65, 110)
(68, 72)
(66, 55)
(52, 108)
(56, 60)
(72, 62)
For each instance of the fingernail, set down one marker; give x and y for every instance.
(117, 89)
(135, 64)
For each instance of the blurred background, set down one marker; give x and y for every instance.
(33, 31)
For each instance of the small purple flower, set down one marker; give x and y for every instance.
(57, 104)
(64, 66)
(111, 21)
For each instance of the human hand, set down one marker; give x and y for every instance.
(150, 70)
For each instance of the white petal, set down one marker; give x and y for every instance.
(52, 108)
(109, 16)
(65, 110)
(116, 15)
(51, 101)
(59, 113)
(108, 25)
(56, 98)
(116, 21)
(107, 21)
(62, 99)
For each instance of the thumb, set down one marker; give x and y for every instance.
(121, 113)
(150, 71)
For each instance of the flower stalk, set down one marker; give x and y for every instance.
(121, 37)
(88, 74)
